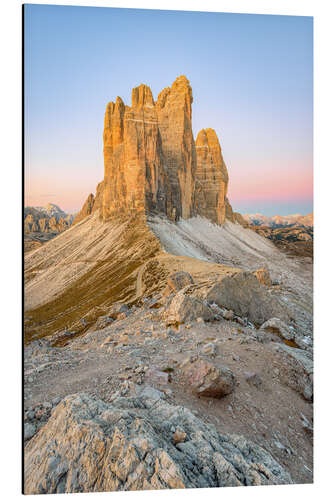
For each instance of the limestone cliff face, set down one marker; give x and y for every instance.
(135, 179)
(86, 209)
(240, 220)
(211, 178)
(91, 204)
(153, 165)
(174, 112)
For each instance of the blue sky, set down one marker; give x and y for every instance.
(252, 81)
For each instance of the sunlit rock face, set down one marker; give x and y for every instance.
(211, 178)
(174, 112)
(153, 165)
(135, 179)
(91, 204)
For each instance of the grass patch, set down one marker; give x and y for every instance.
(109, 281)
(168, 369)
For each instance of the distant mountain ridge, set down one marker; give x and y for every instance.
(52, 210)
(50, 218)
(280, 220)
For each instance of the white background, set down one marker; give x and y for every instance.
(11, 283)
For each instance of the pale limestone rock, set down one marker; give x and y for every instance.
(299, 372)
(151, 163)
(211, 178)
(275, 325)
(89, 446)
(243, 293)
(184, 308)
(174, 113)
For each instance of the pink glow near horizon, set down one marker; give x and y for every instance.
(269, 187)
(273, 184)
(69, 195)
(252, 81)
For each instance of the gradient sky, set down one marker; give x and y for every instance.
(252, 81)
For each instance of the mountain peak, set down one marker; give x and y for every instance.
(280, 220)
(50, 218)
(142, 96)
(153, 165)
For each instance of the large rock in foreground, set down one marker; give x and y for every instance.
(297, 371)
(90, 446)
(243, 293)
(208, 380)
(184, 308)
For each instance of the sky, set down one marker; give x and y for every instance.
(251, 77)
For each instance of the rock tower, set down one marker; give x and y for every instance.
(152, 163)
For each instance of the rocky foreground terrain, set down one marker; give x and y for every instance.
(167, 345)
(208, 400)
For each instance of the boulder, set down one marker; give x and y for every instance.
(184, 308)
(152, 393)
(297, 370)
(307, 425)
(275, 325)
(29, 431)
(91, 446)
(243, 293)
(207, 379)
